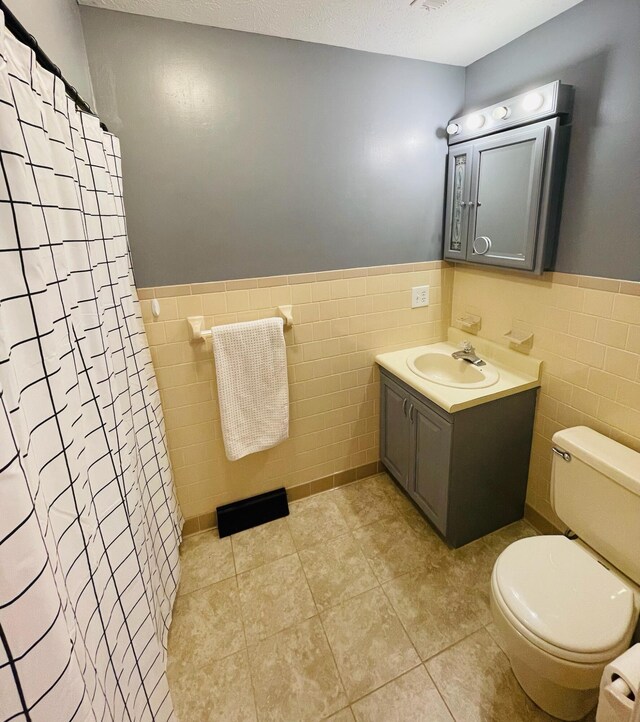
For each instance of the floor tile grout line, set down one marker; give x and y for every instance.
(406, 631)
(342, 709)
(324, 632)
(437, 689)
(335, 661)
(382, 475)
(242, 617)
(284, 629)
(205, 586)
(289, 626)
(195, 668)
(350, 599)
(264, 564)
(253, 686)
(268, 561)
(244, 636)
(335, 489)
(440, 692)
(306, 579)
(422, 565)
(318, 610)
(394, 611)
(395, 508)
(453, 644)
(389, 681)
(326, 541)
(444, 649)
(367, 562)
(301, 622)
(233, 555)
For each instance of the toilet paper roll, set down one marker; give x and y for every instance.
(613, 704)
(627, 667)
(620, 680)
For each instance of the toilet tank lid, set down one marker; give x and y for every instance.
(614, 460)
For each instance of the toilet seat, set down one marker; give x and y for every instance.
(541, 584)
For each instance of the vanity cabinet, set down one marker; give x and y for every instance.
(466, 471)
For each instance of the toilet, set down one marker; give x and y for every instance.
(566, 606)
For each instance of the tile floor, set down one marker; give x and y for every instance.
(349, 609)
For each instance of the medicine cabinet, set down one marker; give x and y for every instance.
(505, 175)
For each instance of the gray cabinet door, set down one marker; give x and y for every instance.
(458, 194)
(431, 455)
(395, 431)
(506, 196)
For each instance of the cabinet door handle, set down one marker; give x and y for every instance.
(481, 245)
(404, 406)
(463, 204)
(471, 204)
(411, 413)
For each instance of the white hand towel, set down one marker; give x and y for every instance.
(251, 368)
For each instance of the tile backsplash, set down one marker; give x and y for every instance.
(586, 332)
(342, 319)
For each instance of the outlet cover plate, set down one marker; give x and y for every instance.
(419, 296)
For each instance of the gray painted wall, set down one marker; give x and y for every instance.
(596, 47)
(246, 155)
(56, 26)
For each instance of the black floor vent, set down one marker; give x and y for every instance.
(256, 510)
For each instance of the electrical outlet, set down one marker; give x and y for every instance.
(419, 296)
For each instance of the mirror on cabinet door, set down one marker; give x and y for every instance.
(504, 187)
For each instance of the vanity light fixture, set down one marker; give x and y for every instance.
(475, 121)
(535, 104)
(532, 101)
(502, 112)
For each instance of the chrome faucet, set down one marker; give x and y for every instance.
(468, 353)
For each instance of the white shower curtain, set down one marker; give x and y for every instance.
(89, 524)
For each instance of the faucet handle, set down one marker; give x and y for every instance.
(467, 347)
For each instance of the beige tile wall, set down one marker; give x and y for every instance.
(341, 320)
(587, 332)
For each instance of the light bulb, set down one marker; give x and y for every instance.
(474, 122)
(453, 128)
(501, 112)
(532, 101)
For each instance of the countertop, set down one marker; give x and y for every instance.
(518, 372)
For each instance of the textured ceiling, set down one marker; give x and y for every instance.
(458, 32)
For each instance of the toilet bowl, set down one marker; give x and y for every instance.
(564, 608)
(562, 617)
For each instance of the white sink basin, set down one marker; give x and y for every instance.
(441, 368)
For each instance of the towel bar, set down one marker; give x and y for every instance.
(197, 332)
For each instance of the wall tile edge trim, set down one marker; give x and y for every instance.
(598, 283)
(294, 279)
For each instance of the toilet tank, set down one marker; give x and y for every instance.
(597, 495)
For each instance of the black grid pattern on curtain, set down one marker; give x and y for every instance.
(89, 523)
